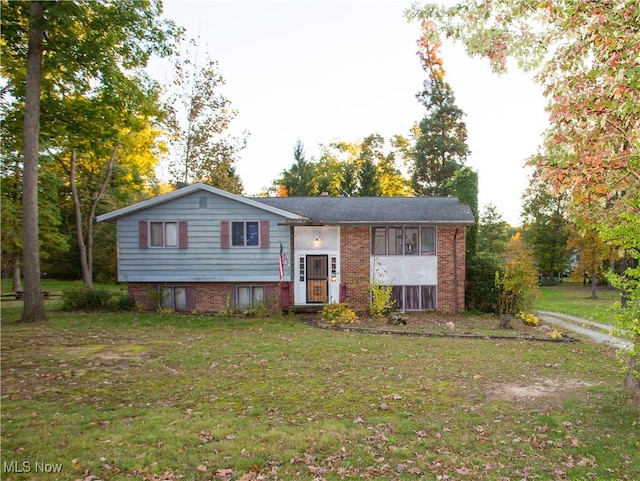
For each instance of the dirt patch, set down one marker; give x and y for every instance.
(539, 388)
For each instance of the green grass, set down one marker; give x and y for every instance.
(148, 396)
(575, 299)
(56, 287)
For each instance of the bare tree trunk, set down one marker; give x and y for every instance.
(86, 249)
(87, 277)
(594, 282)
(16, 274)
(33, 301)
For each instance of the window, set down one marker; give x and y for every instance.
(334, 269)
(411, 241)
(164, 234)
(379, 241)
(249, 296)
(174, 297)
(301, 268)
(398, 240)
(428, 240)
(414, 298)
(395, 241)
(245, 234)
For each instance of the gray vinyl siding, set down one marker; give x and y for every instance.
(204, 260)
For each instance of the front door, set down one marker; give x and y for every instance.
(317, 279)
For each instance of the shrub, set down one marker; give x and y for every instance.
(481, 292)
(96, 299)
(381, 295)
(381, 301)
(517, 282)
(259, 310)
(528, 318)
(122, 302)
(85, 299)
(338, 314)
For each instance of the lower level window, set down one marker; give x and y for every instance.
(414, 298)
(249, 296)
(173, 297)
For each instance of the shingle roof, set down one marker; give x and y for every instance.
(161, 199)
(374, 210)
(332, 210)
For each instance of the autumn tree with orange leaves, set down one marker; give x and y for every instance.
(585, 54)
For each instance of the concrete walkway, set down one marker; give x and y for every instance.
(593, 330)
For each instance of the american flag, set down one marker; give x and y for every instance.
(282, 261)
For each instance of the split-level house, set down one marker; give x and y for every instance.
(201, 248)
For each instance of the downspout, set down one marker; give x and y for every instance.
(455, 269)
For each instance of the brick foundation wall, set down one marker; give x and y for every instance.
(355, 265)
(213, 296)
(451, 281)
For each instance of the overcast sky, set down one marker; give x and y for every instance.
(321, 71)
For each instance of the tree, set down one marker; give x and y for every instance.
(86, 75)
(592, 254)
(546, 228)
(52, 243)
(464, 185)
(367, 175)
(33, 301)
(584, 53)
(298, 181)
(201, 151)
(346, 169)
(492, 239)
(493, 232)
(441, 144)
(517, 282)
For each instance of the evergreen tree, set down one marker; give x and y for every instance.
(298, 181)
(464, 185)
(441, 137)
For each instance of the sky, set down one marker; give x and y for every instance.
(321, 71)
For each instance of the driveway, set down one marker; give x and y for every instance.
(592, 330)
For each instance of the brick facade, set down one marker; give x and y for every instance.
(451, 268)
(355, 276)
(355, 265)
(214, 296)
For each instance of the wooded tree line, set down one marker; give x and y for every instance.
(84, 128)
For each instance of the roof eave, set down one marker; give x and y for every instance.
(313, 222)
(145, 204)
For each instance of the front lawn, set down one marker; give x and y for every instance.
(150, 397)
(575, 299)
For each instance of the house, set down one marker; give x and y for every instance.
(201, 248)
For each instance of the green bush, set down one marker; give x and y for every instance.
(96, 299)
(481, 292)
(258, 311)
(122, 302)
(84, 299)
(338, 314)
